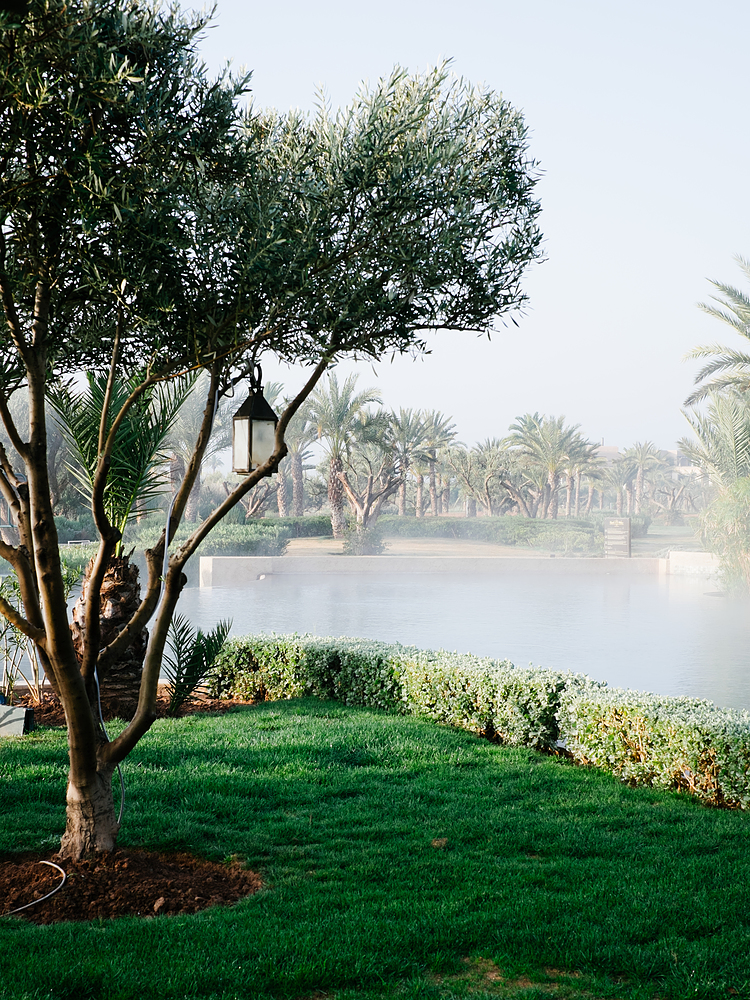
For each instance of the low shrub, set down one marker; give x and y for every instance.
(576, 536)
(516, 705)
(678, 743)
(252, 539)
(71, 530)
(311, 526)
(682, 743)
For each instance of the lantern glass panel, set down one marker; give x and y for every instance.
(241, 444)
(264, 439)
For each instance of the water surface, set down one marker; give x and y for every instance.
(672, 635)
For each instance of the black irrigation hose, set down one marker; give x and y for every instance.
(42, 898)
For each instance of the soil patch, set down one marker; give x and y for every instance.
(123, 883)
(49, 712)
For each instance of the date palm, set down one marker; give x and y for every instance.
(409, 447)
(723, 432)
(726, 367)
(134, 483)
(439, 434)
(334, 412)
(549, 445)
(645, 456)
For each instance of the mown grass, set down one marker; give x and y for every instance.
(401, 859)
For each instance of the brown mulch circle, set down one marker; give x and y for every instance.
(128, 882)
(49, 712)
(122, 883)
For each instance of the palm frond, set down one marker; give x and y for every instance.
(193, 653)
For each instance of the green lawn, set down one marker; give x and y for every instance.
(547, 880)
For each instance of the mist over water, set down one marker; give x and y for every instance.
(670, 636)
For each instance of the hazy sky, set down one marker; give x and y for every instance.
(637, 116)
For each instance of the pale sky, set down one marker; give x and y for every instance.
(637, 116)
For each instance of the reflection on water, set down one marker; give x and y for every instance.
(671, 636)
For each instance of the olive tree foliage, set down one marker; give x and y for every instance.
(151, 224)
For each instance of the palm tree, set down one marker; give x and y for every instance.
(299, 435)
(134, 482)
(439, 434)
(726, 368)
(644, 455)
(723, 432)
(334, 413)
(549, 445)
(409, 447)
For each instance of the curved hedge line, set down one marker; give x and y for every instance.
(681, 743)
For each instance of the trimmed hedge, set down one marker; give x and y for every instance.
(516, 705)
(252, 539)
(679, 743)
(559, 536)
(311, 526)
(564, 534)
(684, 743)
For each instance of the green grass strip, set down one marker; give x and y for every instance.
(402, 859)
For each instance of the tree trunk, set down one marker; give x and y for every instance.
(601, 499)
(91, 825)
(298, 486)
(119, 599)
(618, 502)
(471, 507)
(336, 497)
(191, 508)
(418, 502)
(552, 507)
(639, 491)
(578, 495)
(282, 496)
(433, 491)
(446, 498)
(402, 499)
(568, 495)
(590, 499)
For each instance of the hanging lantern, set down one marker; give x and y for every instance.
(253, 429)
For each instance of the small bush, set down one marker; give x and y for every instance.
(252, 539)
(317, 526)
(515, 705)
(683, 743)
(576, 536)
(678, 743)
(360, 541)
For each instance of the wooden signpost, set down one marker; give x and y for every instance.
(617, 538)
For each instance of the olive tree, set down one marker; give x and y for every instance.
(150, 223)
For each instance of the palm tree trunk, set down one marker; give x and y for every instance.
(336, 497)
(298, 486)
(402, 499)
(120, 598)
(590, 499)
(578, 494)
(618, 502)
(446, 498)
(569, 495)
(639, 490)
(601, 499)
(433, 491)
(419, 502)
(282, 495)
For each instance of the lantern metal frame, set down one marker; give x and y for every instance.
(254, 411)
